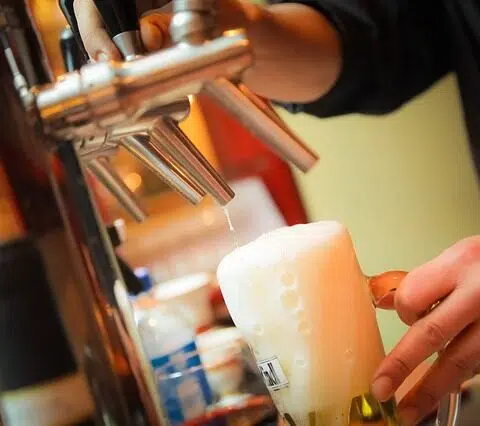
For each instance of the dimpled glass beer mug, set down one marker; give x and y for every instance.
(305, 307)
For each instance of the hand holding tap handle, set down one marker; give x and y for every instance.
(120, 18)
(198, 64)
(192, 23)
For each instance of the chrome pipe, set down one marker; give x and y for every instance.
(104, 95)
(171, 139)
(261, 122)
(140, 147)
(266, 107)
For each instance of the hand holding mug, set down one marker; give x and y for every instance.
(454, 279)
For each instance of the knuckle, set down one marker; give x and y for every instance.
(434, 335)
(400, 367)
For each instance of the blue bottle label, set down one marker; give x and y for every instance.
(182, 384)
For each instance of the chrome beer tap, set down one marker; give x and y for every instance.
(96, 152)
(166, 142)
(120, 18)
(193, 23)
(187, 68)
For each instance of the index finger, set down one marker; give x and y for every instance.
(96, 40)
(425, 337)
(434, 280)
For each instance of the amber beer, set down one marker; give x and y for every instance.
(300, 298)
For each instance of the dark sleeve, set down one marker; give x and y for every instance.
(392, 51)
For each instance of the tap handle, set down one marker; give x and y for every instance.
(121, 20)
(73, 57)
(68, 11)
(119, 16)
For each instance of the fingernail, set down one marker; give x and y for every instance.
(408, 416)
(382, 388)
(387, 299)
(101, 57)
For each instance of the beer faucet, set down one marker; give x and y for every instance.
(96, 152)
(188, 68)
(193, 175)
(120, 18)
(193, 23)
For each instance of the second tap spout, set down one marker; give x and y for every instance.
(108, 177)
(171, 139)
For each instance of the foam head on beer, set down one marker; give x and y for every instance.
(303, 304)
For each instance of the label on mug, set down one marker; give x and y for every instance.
(273, 374)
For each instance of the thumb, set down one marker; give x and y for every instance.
(155, 31)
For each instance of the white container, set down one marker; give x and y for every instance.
(221, 351)
(182, 383)
(190, 296)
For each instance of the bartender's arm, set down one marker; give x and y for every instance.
(329, 57)
(332, 57)
(283, 49)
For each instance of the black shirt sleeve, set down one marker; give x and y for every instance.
(392, 51)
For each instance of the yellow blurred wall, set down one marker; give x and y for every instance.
(403, 184)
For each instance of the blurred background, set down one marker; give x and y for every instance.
(404, 185)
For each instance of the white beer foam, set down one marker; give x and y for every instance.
(280, 244)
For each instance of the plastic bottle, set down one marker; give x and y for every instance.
(181, 379)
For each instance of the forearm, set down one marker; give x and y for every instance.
(391, 51)
(297, 53)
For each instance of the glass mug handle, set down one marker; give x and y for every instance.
(383, 288)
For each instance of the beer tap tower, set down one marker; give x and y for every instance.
(54, 132)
